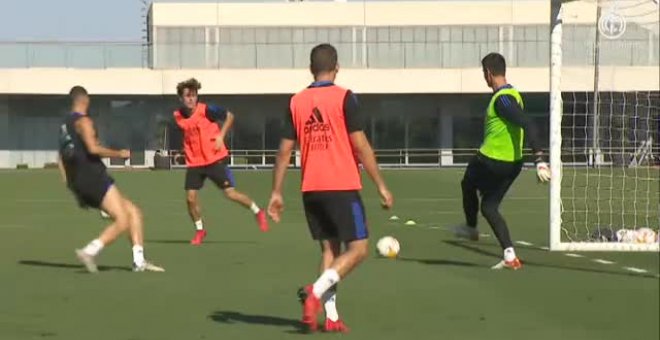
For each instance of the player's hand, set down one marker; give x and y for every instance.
(543, 172)
(275, 207)
(386, 198)
(125, 154)
(220, 143)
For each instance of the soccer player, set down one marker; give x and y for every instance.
(499, 160)
(81, 167)
(204, 130)
(325, 121)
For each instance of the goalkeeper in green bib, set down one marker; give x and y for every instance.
(498, 162)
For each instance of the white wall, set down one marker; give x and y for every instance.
(274, 81)
(373, 13)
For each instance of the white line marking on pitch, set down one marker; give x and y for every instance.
(544, 248)
(636, 270)
(573, 255)
(525, 243)
(601, 261)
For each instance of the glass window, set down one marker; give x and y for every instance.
(334, 35)
(530, 33)
(347, 34)
(468, 34)
(372, 34)
(273, 35)
(383, 34)
(322, 35)
(444, 34)
(407, 34)
(225, 35)
(432, 34)
(235, 35)
(518, 33)
(395, 34)
(493, 33)
(481, 34)
(298, 36)
(261, 35)
(247, 36)
(310, 35)
(420, 34)
(456, 34)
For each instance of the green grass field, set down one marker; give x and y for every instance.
(242, 283)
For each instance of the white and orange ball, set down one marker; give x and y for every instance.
(388, 247)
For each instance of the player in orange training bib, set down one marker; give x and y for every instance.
(204, 130)
(326, 122)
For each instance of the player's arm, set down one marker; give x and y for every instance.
(85, 128)
(222, 116)
(288, 142)
(508, 108)
(355, 124)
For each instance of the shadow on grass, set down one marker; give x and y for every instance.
(232, 317)
(439, 262)
(80, 267)
(473, 248)
(188, 242)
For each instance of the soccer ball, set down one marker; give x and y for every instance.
(388, 247)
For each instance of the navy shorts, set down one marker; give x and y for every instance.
(90, 189)
(335, 215)
(218, 172)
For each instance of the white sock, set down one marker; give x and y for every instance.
(199, 225)
(328, 279)
(330, 305)
(138, 255)
(93, 248)
(509, 254)
(255, 208)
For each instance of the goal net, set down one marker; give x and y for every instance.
(605, 126)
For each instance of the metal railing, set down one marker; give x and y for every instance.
(387, 158)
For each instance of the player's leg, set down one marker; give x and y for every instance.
(112, 203)
(469, 186)
(194, 182)
(331, 249)
(493, 194)
(341, 213)
(223, 177)
(136, 231)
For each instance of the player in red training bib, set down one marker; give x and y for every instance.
(204, 130)
(325, 121)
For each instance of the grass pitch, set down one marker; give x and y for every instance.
(241, 284)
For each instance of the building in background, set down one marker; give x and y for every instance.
(414, 64)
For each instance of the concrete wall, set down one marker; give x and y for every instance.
(404, 13)
(274, 81)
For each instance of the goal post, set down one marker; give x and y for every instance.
(604, 125)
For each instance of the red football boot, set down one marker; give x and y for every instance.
(311, 308)
(199, 237)
(262, 221)
(335, 326)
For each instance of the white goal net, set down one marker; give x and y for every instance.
(605, 126)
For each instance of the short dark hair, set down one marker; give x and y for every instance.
(323, 59)
(77, 92)
(495, 63)
(191, 84)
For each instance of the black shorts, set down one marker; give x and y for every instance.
(491, 177)
(335, 215)
(218, 172)
(90, 188)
